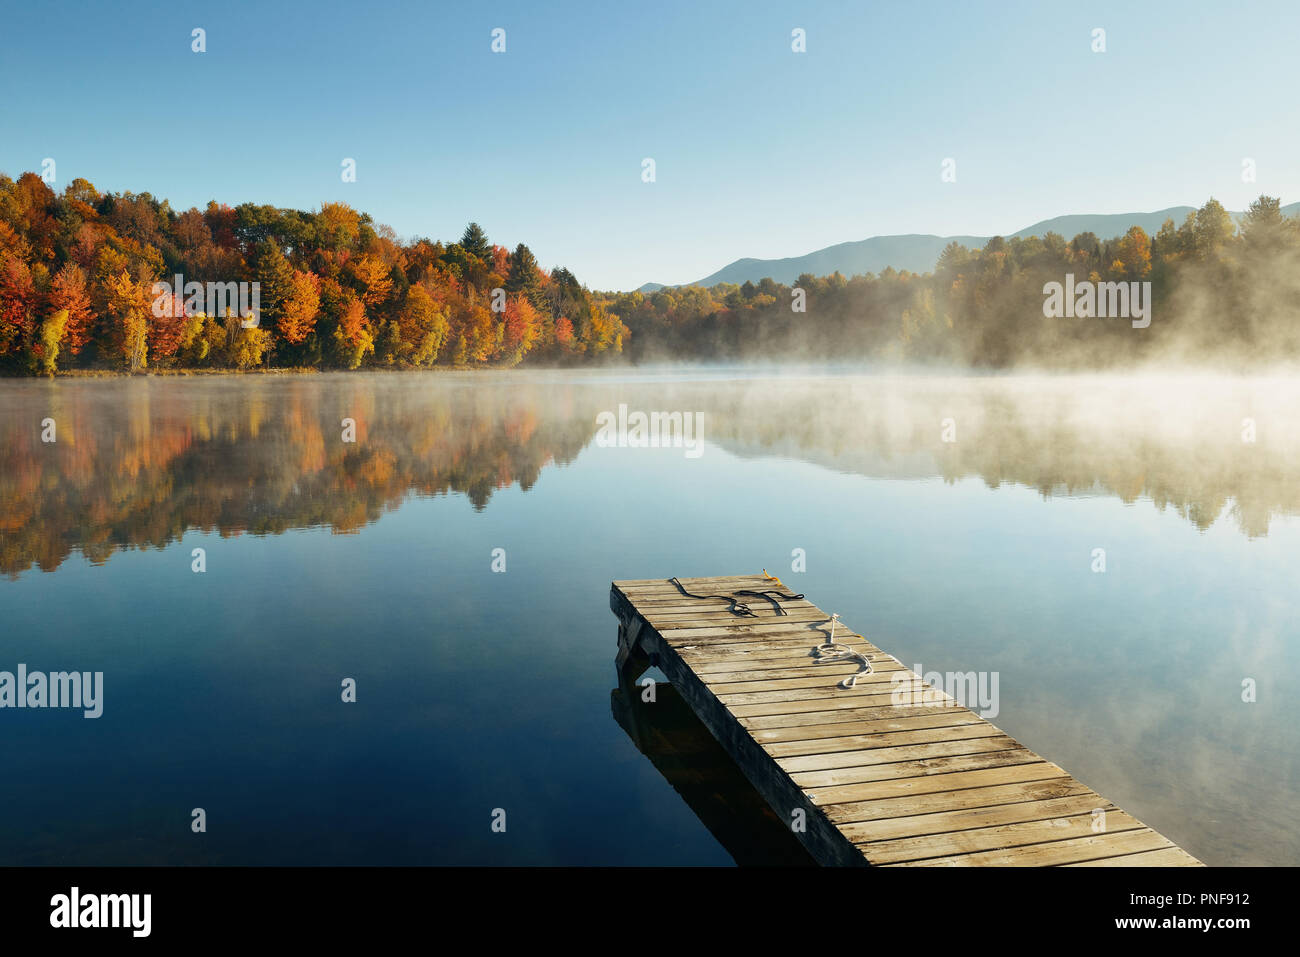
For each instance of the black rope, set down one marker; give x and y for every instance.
(737, 607)
(771, 594)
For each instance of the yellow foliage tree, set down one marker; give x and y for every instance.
(128, 304)
(53, 331)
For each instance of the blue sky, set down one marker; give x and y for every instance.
(759, 151)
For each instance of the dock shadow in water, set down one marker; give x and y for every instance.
(691, 760)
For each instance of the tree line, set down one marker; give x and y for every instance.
(1223, 292)
(78, 268)
(78, 272)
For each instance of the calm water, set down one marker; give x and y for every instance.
(479, 690)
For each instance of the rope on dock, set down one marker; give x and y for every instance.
(738, 608)
(830, 651)
(772, 595)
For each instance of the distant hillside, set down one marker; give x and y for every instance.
(915, 253)
(1105, 226)
(918, 253)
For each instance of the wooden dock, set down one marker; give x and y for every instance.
(861, 777)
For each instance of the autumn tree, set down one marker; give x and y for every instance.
(17, 304)
(606, 332)
(128, 306)
(53, 331)
(1133, 253)
(500, 261)
(371, 274)
(423, 326)
(246, 347)
(166, 325)
(300, 307)
(564, 335)
(522, 327)
(352, 337)
(68, 293)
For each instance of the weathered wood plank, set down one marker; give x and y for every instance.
(831, 716)
(949, 734)
(1166, 857)
(997, 838)
(1056, 852)
(809, 680)
(861, 757)
(863, 812)
(827, 784)
(922, 718)
(915, 826)
(868, 686)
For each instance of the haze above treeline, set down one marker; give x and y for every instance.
(78, 268)
(918, 252)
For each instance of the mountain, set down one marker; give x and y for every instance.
(914, 252)
(1106, 225)
(918, 253)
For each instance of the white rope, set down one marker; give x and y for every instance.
(830, 651)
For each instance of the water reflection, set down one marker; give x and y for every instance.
(138, 462)
(681, 748)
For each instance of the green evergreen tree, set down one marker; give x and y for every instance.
(275, 276)
(524, 278)
(475, 242)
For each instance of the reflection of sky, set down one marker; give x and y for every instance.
(479, 690)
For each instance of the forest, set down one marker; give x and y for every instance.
(78, 272)
(78, 269)
(1224, 293)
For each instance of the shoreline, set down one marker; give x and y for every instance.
(799, 368)
(182, 373)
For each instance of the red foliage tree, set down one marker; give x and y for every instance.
(69, 291)
(17, 304)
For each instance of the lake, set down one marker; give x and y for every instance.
(454, 561)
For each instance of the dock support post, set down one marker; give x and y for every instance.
(632, 660)
(631, 663)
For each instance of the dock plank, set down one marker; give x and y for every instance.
(1079, 849)
(914, 827)
(1021, 834)
(877, 778)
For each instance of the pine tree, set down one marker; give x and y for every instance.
(276, 278)
(475, 242)
(525, 278)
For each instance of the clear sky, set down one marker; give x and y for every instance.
(759, 151)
